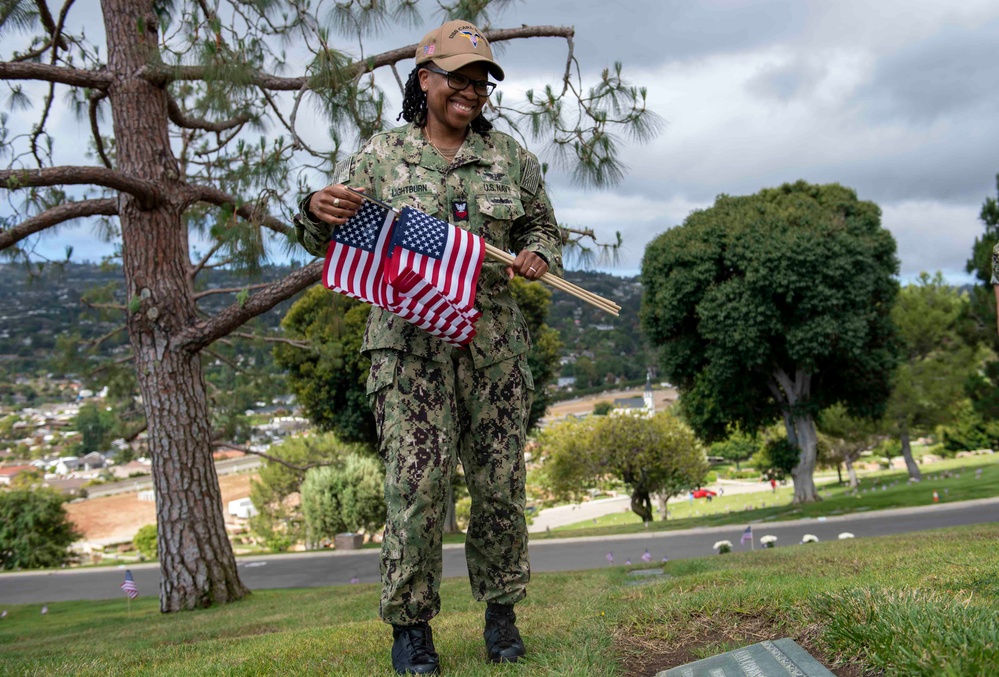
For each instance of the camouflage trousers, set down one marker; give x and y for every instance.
(430, 414)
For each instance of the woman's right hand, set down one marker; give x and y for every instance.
(335, 204)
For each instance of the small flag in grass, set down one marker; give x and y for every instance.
(129, 585)
(747, 535)
(610, 557)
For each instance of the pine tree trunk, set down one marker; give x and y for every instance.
(910, 462)
(197, 565)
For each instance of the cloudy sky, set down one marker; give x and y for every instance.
(897, 100)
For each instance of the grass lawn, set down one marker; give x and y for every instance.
(953, 480)
(895, 605)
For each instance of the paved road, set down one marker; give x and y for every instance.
(334, 568)
(224, 467)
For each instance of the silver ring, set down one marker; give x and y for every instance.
(533, 268)
(336, 202)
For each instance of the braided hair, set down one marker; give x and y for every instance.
(414, 105)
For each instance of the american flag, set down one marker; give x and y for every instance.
(425, 306)
(420, 268)
(446, 256)
(747, 535)
(129, 585)
(356, 255)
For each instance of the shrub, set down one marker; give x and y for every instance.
(145, 542)
(343, 498)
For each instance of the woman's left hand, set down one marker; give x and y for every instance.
(528, 265)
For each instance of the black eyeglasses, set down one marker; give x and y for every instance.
(458, 82)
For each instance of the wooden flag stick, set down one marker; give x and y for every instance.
(504, 257)
(559, 283)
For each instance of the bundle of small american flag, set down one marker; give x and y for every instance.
(412, 264)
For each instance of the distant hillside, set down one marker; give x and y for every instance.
(42, 309)
(601, 348)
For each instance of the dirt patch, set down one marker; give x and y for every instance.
(645, 655)
(663, 399)
(121, 515)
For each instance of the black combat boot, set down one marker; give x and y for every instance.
(413, 651)
(503, 642)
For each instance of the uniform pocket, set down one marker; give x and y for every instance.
(525, 371)
(500, 207)
(391, 547)
(382, 373)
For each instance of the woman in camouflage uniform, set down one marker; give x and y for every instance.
(435, 404)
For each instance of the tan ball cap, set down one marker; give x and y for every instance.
(457, 44)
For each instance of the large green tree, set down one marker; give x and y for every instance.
(34, 529)
(936, 361)
(200, 167)
(656, 455)
(775, 305)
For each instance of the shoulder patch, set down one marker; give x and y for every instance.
(530, 175)
(343, 170)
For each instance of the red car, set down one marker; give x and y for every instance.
(704, 493)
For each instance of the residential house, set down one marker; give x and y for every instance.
(93, 461)
(8, 474)
(66, 465)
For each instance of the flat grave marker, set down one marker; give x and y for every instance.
(777, 658)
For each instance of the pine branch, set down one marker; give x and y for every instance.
(104, 306)
(273, 339)
(197, 267)
(108, 365)
(33, 54)
(49, 23)
(230, 290)
(74, 77)
(95, 130)
(275, 459)
(213, 195)
(55, 216)
(225, 360)
(179, 118)
(95, 343)
(162, 75)
(204, 333)
(130, 437)
(146, 191)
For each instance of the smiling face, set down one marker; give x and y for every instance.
(449, 112)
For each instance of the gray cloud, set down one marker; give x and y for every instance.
(950, 72)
